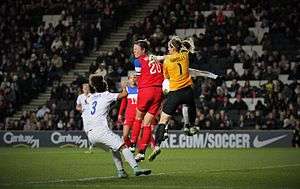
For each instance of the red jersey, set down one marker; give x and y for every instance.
(150, 74)
(129, 103)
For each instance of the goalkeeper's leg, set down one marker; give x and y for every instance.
(192, 114)
(185, 114)
(159, 133)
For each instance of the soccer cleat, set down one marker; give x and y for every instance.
(139, 157)
(187, 131)
(132, 148)
(154, 153)
(194, 130)
(138, 171)
(122, 174)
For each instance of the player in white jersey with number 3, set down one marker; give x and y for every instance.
(100, 133)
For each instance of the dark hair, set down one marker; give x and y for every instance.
(175, 43)
(144, 44)
(187, 45)
(98, 83)
(92, 90)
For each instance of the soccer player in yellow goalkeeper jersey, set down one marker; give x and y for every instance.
(176, 70)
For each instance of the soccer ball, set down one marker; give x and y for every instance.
(166, 86)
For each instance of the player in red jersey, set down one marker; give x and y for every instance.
(129, 106)
(150, 78)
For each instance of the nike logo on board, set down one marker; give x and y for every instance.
(258, 144)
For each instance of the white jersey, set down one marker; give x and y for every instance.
(99, 108)
(83, 101)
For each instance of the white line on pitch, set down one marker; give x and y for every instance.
(157, 174)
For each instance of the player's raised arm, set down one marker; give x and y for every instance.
(195, 73)
(124, 92)
(153, 58)
(122, 108)
(189, 47)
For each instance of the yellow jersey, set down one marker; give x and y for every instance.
(176, 69)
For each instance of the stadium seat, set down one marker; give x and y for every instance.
(283, 78)
(206, 13)
(200, 31)
(180, 32)
(258, 49)
(190, 32)
(239, 68)
(247, 49)
(228, 13)
(184, 33)
(54, 19)
(259, 32)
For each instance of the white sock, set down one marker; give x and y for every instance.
(116, 156)
(129, 157)
(185, 114)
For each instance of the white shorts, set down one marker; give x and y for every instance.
(105, 137)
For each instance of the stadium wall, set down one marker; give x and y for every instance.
(177, 139)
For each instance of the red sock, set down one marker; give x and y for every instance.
(127, 141)
(139, 139)
(136, 128)
(145, 138)
(139, 143)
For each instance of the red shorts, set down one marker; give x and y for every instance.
(149, 99)
(129, 121)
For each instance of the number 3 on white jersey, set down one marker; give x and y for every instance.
(155, 68)
(94, 104)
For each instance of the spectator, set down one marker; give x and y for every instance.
(239, 104)
(250, 39)
(101, 70)
(214, 52)
(57, 44)
(270, 121)
(33, 43)
(41, 112)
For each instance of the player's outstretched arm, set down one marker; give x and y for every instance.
(154, 58)
(122, 94)
(195, 72)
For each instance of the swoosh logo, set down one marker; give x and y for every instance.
(259, 144)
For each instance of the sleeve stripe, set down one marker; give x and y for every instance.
(138, 69)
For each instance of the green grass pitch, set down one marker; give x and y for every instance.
(174, 168)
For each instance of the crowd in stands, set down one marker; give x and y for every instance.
(35, 53)
(215, 52)
(280, 107)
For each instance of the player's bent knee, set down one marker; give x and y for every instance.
(148, 119)
(139, 114)
(164, 118)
